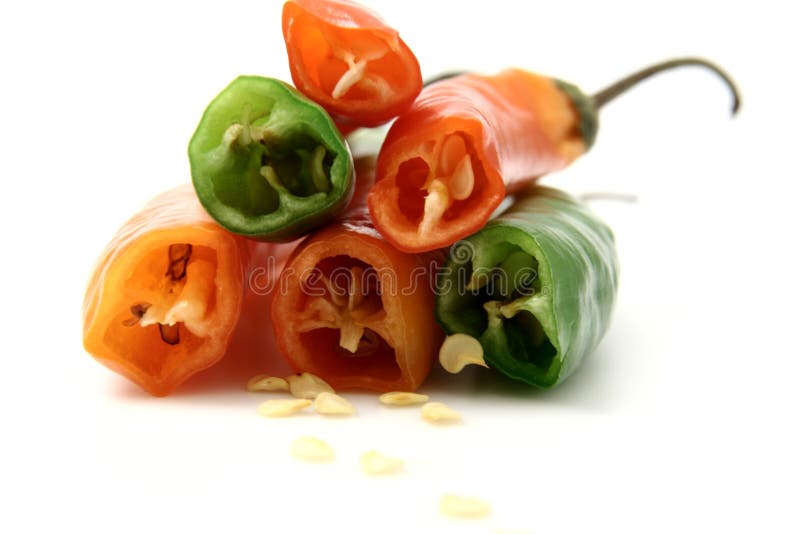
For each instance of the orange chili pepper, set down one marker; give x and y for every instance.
(166, 296)
(468, 141)
(356, 311)
(344, 57)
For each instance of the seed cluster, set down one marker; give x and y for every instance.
(310, 390)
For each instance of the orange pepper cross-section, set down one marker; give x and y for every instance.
(449, 161)
(347, 59)
(354, 310)
(166, 296)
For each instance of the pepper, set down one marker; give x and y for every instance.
(356, 311)
(345, 57)
(268, 163)
(173, 293)
(536, 287)
(469, 140)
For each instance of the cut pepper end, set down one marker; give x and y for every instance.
(164, 321)
(439, 193)
(346, 298)
(347, 323)
(351, 62)
(268, 163)
(518, 313)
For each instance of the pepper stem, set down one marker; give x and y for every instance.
(608, 94)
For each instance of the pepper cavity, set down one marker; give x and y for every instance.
(345, 71)
(452, 180)
(357, 75)
(296, 164)
(182, 296)
(438, 182)
(349, 302)
(346, 58)
(342, 324)
(500, 295)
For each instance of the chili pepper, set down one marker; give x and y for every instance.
(536, 287)
(268, 163)
(345, 57)
(469, 140)
(356, 311)
(165, 298)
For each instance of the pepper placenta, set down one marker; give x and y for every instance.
(356, 311)
(536, 287)
(268, 163)
(468, 141)
(172, 294)
(345, 57)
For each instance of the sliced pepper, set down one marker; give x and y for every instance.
(356, 311)
(268, 163)
(467, 141)
(536, 287)
(165, 298)
(345, 57)
(449, 161)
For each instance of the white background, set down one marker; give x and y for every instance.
(684, 420)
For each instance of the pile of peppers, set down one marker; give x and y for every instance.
(288, 251)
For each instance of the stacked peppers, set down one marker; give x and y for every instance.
(363, 298)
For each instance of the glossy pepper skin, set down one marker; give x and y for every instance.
(536, 287)
(345, 57)
(466, 142)
(267, 163)
(356, 311)
(173, 293)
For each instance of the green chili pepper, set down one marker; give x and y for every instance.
(268, 163)
(535, 286)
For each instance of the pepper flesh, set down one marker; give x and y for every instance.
(536, 287)
(466, 142)
(166, 297)
(268, 163)
(356, 311)
(346, 58)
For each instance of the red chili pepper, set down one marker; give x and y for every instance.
(467, 141)
(354, 310)
(345, 57)
(449, 161)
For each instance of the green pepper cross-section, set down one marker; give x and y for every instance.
(536, 286)
(268, 163)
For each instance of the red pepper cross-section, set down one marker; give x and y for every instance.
(347, 59)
